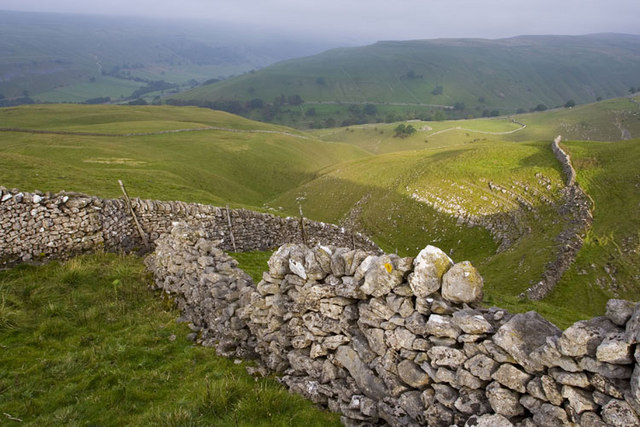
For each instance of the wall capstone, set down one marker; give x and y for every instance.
(345, 329)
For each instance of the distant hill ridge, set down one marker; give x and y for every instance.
(431, 79)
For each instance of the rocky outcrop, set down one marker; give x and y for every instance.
(370, 336)
(38, 226)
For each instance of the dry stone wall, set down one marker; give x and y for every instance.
(576, 208)
(38, 226)
(403, 341)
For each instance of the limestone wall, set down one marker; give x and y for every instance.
(576, 208)
(39, 226)
(403, 341)
(565, 161)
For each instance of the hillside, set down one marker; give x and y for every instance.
(610, 120)
(486, 190)
(216, 158)
(75, 58)
(431, 79)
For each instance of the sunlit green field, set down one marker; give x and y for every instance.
(86, 342)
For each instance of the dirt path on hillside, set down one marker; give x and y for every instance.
(522, 126)
(162, 132)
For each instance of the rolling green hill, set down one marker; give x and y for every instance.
(426, 78)
(75, 58)
(487, 190)
(219, 159)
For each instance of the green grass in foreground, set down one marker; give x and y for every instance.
(86, 342)
(254, 263)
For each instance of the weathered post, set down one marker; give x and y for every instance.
(143, 236)
(233, 239)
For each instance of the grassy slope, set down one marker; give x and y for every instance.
(213, 166)
(609, 262)
(338, 183)
(502, 74)
(87, 343)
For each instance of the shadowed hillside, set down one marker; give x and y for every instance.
(433, 79)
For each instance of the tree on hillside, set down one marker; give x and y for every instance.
(439, 116)
(570, 104)
(404, 131)
(540, 107)
(370, 110)
(295, 100)
(437, 90)
(256, 103)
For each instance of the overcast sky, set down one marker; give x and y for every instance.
(371, 20)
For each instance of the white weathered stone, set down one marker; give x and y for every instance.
(614, 349)
(462, 283)
(504, 401)
(446, 356)
(522, 334)
(471, 322)
(442, 326)
(511, 377)
(429, 267)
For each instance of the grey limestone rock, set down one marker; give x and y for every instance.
(551, 416)
(511, 377)
(462, 283)
(366, 380)
(441, 326)
(382, 276)
(504, 401)
(429, 267)
(438, 415)
(618, 413)
(446, 356)
(619, 311)
(471, 401)
(579, 400)
(445, 394)
(471, 322)
(481, 366)
(551, 390)
(522, 334)
(575, 379)
(486, 420)
(583, 337)
(411, 374)
(465, 378)
(606, 369)
(614, 349)
(591, 419)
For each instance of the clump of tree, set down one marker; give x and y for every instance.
(403, 131)
(438, 90)
(413, 75)
(570, 104)
(490, 113)
(153, 86)
(98, 100)
(138, 101)
(539, 107)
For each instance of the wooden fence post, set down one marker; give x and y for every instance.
(302, 230)
(145, 241)
(233, 239)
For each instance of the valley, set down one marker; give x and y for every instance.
(487, 190)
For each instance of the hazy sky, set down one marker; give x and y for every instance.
(370, 20)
